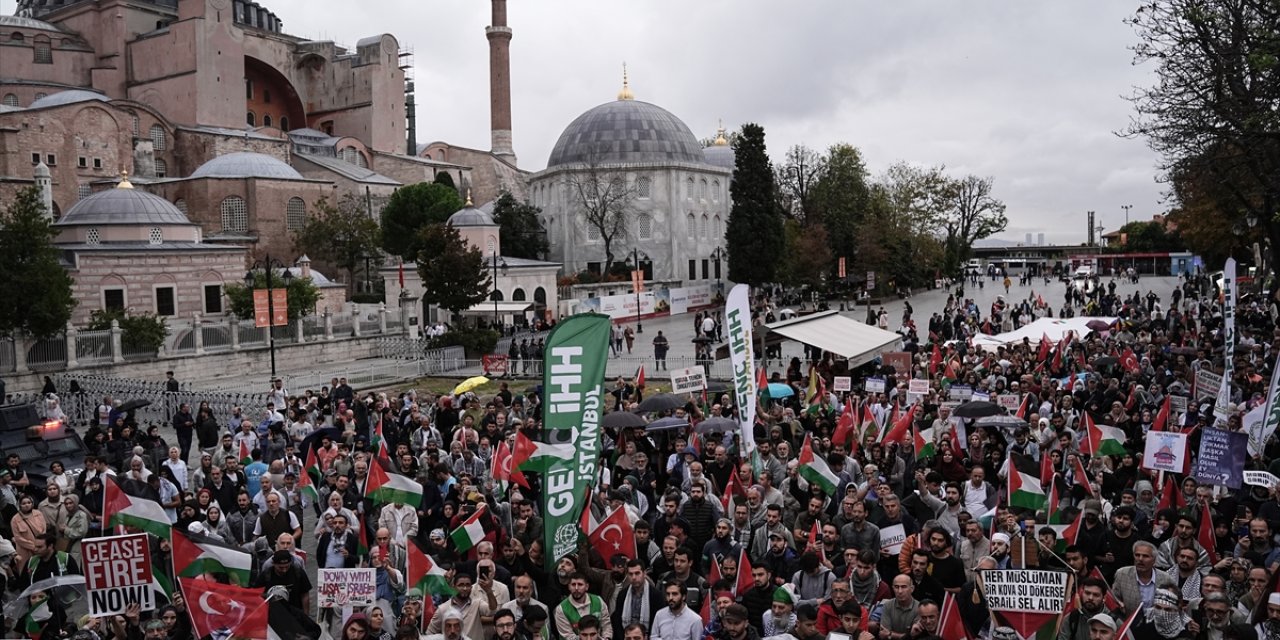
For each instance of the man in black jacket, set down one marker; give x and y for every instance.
(638, 600)
(759, 598)
(339, 547)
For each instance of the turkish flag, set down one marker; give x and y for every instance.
(220, 608)
(744, 574)
(844, 426)
(614, 535)
(1206, 537)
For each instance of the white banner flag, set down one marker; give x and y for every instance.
(1270, 415)
(1228, 340)
(738, 316)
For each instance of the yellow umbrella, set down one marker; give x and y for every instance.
(469, 384)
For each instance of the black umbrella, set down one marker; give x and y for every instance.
(718, 425)
(1103, 362)
(661, 402)
(977, 409)
(1008, 423)
(702, 339)
(666, 424)
(1098, 325)
(133, 405)
(622, 420)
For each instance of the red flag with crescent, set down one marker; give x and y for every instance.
(614, 535)
(223, 610)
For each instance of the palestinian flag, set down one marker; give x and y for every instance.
(1068, 535)
(362, 547)
(844, 426)
(744, 573)
(1045, 346)
(925, 442)
(762, 387)
(814, 469)
(35, 618)
(1110, 600)
(1080, 476)
(1024, 409)
(380, 443)
(122, 509)
(1025, 490)
(1103, 439)
(868, 426)
(246, 455)
(306, 482)
(531, 455)
(1046, 468)
(640, 381)
(950, 624)
(470, 533)
(815, 542)
(195, 554)
(424, 574)
(387, 488)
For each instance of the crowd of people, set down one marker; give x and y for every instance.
(730, 543)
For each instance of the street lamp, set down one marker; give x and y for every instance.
(635, 261)
(497, 263)
(718, 255)
(250, 280)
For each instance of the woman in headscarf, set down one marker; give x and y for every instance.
(27, 525)
(378, 614)
(77, 526)
(1147, 501)
(356, 628)
(216, 526)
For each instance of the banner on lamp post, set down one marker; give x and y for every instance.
(573, 402)
(738, 318)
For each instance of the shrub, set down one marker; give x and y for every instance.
(476, 342)
(144, 332)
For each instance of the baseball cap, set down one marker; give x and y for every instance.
(734, 612)
(1104, 620)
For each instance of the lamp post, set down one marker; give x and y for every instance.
(497, 263)
(250, 279)
(1126, 208)
(635, 261)
(718, 255)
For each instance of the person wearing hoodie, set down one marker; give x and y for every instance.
(812, 581)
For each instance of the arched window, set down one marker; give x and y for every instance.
(251, 119)
(643, 188)
(158, 138)
(136, 124)
(495, 296)
(517, 295)
(644, 226)
(16, 37)
(692, 225)
(715, 191)
(43, 50)
(361, 161)
(235, 216)
(284, 123)
(593, 232)
(41, 96)
(715, 227)
(688, 189)
(84, 191)
(540, 296)
(702, 190)
(703, 229)
(181, 205)
(295, 214)
(10, 100)
(162, 168)
(266, 120)
(490, 246)
(351, 155)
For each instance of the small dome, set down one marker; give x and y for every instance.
(122, 205)
(245, 164)
(469, 216)
(26, 23)
(70, 96)
(626, 132)
(720, 156)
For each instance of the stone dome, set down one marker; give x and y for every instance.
(626, 132)
(246, 164)
(69, 96)
(720, 156)
(26, 23)
(122, 205)
(469, 216)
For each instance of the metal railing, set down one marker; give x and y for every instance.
(8, 358)
(94, 347)
(80, 406)
(47, 355)
(216, 338)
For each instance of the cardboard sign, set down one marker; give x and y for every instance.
(874, 385)
(337, 588)
(1221, 459)
(1261, 479)
(891, 538)
(961, 392)
(1010, 401)
(1177, 405)
(842, 383)
(1025, 590)
(117, 573)
(1207, 384)
(918, 386)
(688, 380)
(494, 365)
(1165, 451)
(980, 396)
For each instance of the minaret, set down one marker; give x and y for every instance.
(44, 182)
(499, 35)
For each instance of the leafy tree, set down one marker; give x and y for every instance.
(796, 176)
(341, 236)
(1148, 235)
(412, 208)
(37, 288)
(604, 199)
(897, 238)
(841, 198)
(974, 214)
(807, 257)
(522, 235)
(302, 295)
(755, 234)
(1211, 113)
(138, 332)
(454, 274)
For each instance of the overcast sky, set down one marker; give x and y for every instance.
(1027, 93)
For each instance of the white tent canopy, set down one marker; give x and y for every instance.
(1055, 328)
(848, 338)
(504, 308)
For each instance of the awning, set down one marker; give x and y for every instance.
(505, 307)
(843, 336)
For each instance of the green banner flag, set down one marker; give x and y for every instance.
(572, 407)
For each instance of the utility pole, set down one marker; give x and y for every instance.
(1091, 230)
(1126, 208)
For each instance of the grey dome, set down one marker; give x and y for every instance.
(122, 206)
(470, 216)
(626, 132)
(4, 108)
(26, 23)
(246, 164)
(720, 156)
(69, 96)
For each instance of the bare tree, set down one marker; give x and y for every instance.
(974, 214)
(796, 176)
(604, 199)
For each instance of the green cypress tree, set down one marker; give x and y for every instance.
(756, 235)
(36, 286)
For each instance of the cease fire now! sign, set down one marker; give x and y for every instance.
(117, 573)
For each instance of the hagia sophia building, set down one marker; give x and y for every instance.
(224, 122)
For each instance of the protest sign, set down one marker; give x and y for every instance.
(336, 588)
(891, 539)
(1177, 405)
(980, 396)
(1165, 451)
(1258, 427)
(842, 383)
(1009, 401)
(117, 573)
(899, 361)
(1028, 600)
(1208, 384)
(918, 387)
(960, 392)
(1260, 479)
(688, 380)
(874, 385)
(1221, 460)
(494, 365)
